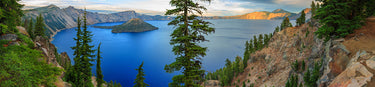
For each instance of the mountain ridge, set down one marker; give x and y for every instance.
(57, 19)
(265, 15)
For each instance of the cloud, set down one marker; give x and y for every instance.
(259, 1)
(227, 7)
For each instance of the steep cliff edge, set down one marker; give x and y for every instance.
(345, 62)
(46, 54)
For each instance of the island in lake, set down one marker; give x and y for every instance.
(133, 25)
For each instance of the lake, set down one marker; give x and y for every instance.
(123, 52)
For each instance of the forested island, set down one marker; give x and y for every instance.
(133, 25)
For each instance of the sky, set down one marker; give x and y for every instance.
(158, 7)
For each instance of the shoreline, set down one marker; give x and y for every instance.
(58, 30)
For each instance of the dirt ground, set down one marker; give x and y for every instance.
(362, 38)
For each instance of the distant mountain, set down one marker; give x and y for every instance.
(133, 25)
(57, 19)
(280, 11)
(265, 15)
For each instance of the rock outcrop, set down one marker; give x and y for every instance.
(346, 62)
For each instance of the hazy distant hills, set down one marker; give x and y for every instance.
(265, 15)
(56, 18)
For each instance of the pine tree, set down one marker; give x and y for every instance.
(72, 76)
(39, 26)
(306, 78)
(99, 75)
(246, 54)
(340, 17)
(265, 40)
(313, 8)
(30, 29)
(260, 42)
(286, 23)
(185, 38)
(10, 15)
(228, 63)
(139, 80)
(255, 43)
(277, 29)
(86, 53)
(25, 23)
(81, 75)
(301, 20)
(303, 65)
(251, 47)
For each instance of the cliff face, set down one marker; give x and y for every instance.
(57, 19)
(346, 62)
(265, 15)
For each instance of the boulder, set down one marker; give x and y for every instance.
(212, 83)
(22, 30)
(354, 76)
(371, 63)
(11, 37)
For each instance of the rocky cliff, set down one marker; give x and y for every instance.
(57, 19)
(346, 62)
(48, 51)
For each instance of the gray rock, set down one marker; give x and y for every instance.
(11, 37)
(45, 51)
(15, 43)
(340, 40)
(343, 48)
(38, 44)
(371, 63)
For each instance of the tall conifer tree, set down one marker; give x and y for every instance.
(87, 53)
(74, 73)
(301, 20)
(39, 26)
(185, 38)
(286, 23)
(139, 80)
(30, 29)
(99, 75)
(81, 74)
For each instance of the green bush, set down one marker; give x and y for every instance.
(252, 85)
(310, 78)
(21, 66)
(26, 40)
(307, 32)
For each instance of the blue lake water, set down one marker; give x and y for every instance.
(123, 52)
